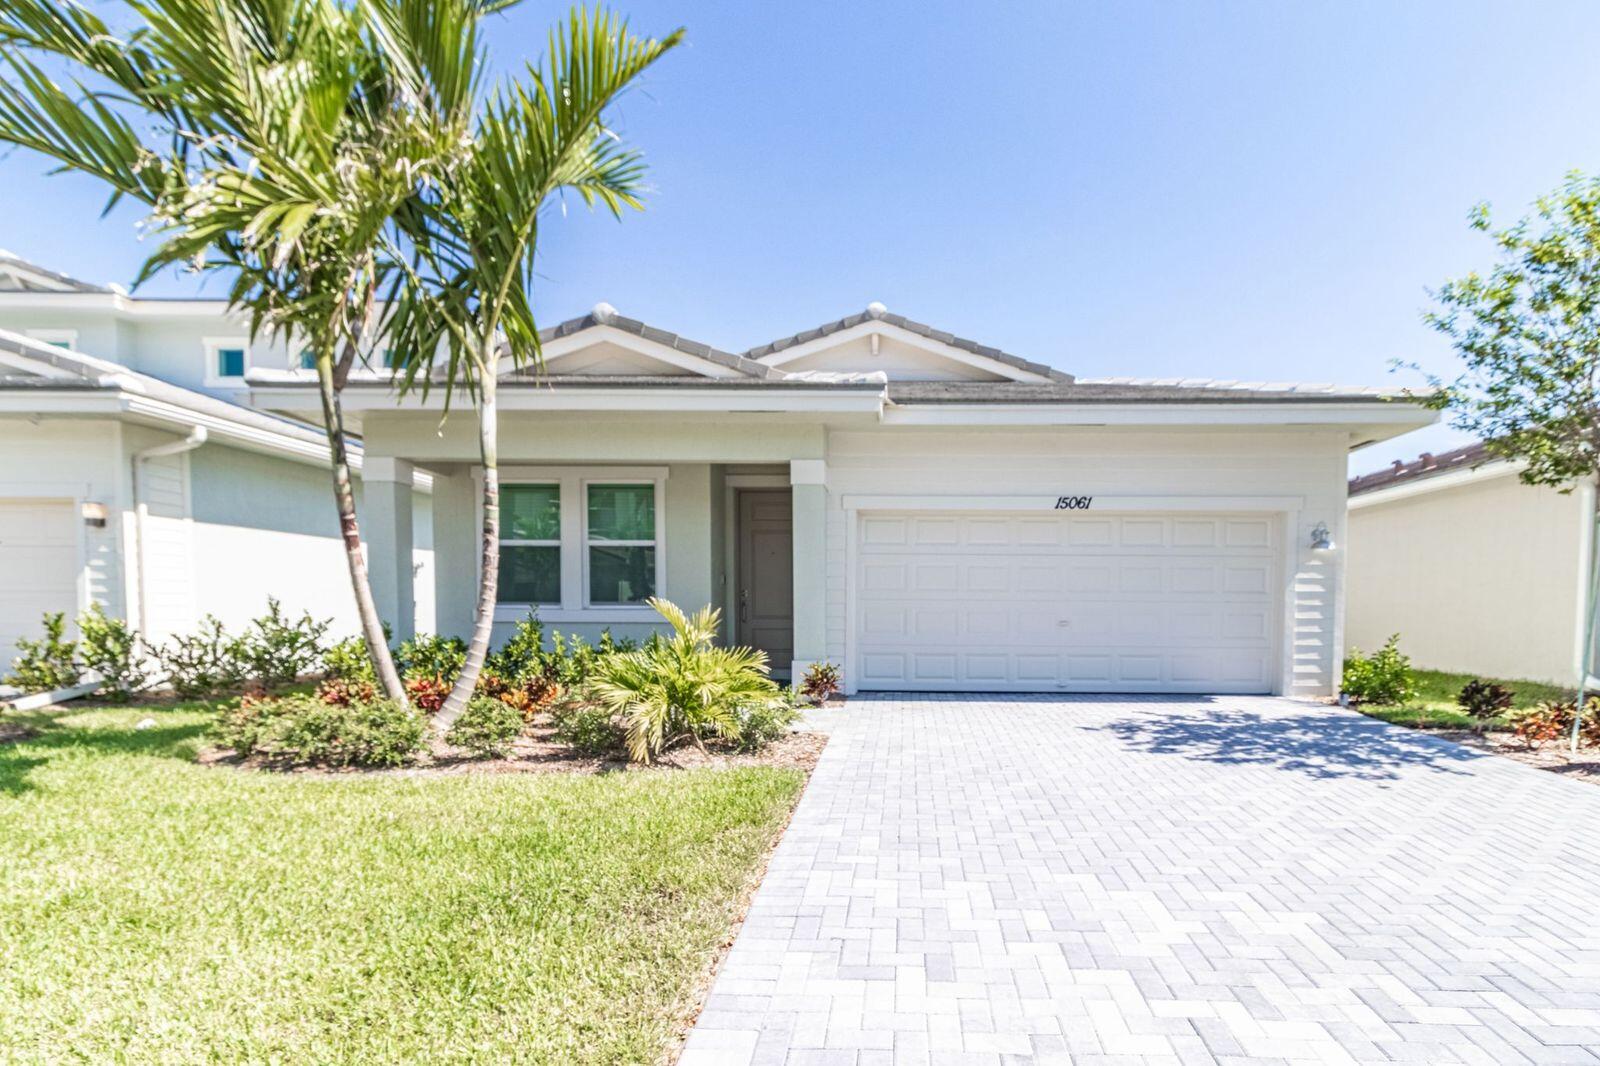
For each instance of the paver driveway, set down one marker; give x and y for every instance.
(1055, 879)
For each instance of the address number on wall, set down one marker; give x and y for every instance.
(1074, 503)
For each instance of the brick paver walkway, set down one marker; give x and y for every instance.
(1094, 880)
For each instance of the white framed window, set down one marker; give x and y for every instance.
(61, 338)
(227, 358)
(530, 544)
(620, 538)
(581, 543)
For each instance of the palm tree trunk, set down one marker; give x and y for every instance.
(345, 500)
(489, 575)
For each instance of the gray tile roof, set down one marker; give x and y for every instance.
(1425, 466)
(877, 312)
(12, 266)
(1081, 391)
(606, 315)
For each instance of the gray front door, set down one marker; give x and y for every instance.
(766, 575)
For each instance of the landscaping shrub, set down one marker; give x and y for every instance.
(1550, 720)
(527, 696)
(1484, 701)
(427, 694)
(207, 663)
(821, 682)
(763, 724)
(1382, 677)
(304, 729)
(486, 728)
(587, 728)
(682, 687)
(109, 647)
(47, 663)
(349, 661)
(433, 656)
(344, 691)
(276, 650)
(522, 656)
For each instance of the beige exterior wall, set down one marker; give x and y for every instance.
(1483, 578)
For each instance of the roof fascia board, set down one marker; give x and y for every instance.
(1454, 479)
(1188, 414)
(116, 302)
(567, 398)
(905, 336)
(573, 343)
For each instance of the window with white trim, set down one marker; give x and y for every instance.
(581, 542)
(530, 544)
(227, 358)
(620, 542)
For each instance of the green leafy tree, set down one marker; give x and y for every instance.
(274, 140)
(1528, 332)
(469, 303)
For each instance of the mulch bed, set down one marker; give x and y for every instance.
(1555, 755)
(536, 753)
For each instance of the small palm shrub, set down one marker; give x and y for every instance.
(1484, 701)
(49, 663)
(1384, 677)
(277, 649)
(821, 682)
(681, 687)
(303, 729)
(486, 728)
(205, 663)
(110, 648)
(587, 728)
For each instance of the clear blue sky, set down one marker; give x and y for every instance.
(1251, 190)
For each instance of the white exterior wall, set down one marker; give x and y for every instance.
(1482, 578)
(1306, 467)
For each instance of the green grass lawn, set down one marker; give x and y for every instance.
(156, 910)
(1434, 706)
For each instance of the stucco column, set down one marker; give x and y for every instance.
(456, 537)
(386, 523)
(807, 478)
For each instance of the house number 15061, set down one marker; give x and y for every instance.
(1073, 503)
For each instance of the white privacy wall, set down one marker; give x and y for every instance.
(1308, 466)
(1483, 578)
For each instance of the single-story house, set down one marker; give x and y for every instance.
(131, 477)
(1478, 572)
(923, 510)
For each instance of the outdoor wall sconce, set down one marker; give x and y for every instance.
(94, 514)
(1321, 539)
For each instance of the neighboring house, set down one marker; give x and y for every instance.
(1476, 571)
(923, 510)
(130, 478)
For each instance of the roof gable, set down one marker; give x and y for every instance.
(603, 343)
(19, 275)
(876, 339)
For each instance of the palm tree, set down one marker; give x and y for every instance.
(272, 139)
(474, 235)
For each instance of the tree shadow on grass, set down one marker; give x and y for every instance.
(1328, 744)
(47, 740)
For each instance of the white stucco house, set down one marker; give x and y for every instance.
(1476, 571)
(926, 511)
(131, 474)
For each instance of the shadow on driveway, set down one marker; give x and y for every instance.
(1320, 744)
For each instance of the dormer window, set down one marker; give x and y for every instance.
(227, 358)
(308, 359)
(61, 338)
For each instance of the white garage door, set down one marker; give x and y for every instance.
(1081, 602)
(38, 568)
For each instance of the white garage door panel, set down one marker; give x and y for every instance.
(1135, 603)
(38, 568)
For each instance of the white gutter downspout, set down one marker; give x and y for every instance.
(196, 437)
